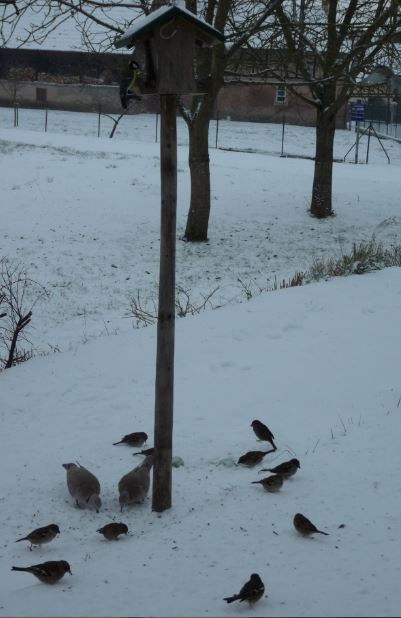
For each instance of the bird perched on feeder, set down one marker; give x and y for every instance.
(145, 451)
(252, 591)
(47, 572)
(305, 527)
(263, 432)
(112, 531)
(134, 486)
(271, 483)
(40, 536)
(133, 439)
(285, 469)
(251, 458)
(83, 486)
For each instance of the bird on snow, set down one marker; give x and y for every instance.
(271, 483)
(134, 486)
(285, 469)
(112, 531)
(305, 527)
(40, 536)
(145, 451)
(251, 458)
(83, 486)
(47, 572)
(252, 591)
(133, 439)
(263, 432)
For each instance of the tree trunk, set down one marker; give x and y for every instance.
(321, 206)
(199, 208)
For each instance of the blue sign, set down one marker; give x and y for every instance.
(357, 111)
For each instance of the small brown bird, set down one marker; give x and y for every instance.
(111, 531)
(286, 469)
(252, 591)
(47, 572)
(263, 432)
(133, 439)
(305, 527)
(40, 536)
(133, 487)
(251, 458)
(146, 452)
(271, 483)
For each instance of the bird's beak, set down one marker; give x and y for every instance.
(69, 572)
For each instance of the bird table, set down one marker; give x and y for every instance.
(163, 62)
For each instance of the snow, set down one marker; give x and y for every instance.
(318, 364)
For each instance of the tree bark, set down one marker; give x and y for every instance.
(321, 204)
(199, 207)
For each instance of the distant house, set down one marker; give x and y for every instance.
(256, 88)
(81, 81)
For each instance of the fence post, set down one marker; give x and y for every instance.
(217, 126)
(46, 120)
(98, 121)
(282, 136)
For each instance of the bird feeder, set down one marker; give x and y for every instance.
(164, 63)
(164, 51)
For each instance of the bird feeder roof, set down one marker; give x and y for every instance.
(145, 25)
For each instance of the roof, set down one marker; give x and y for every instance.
(161, 16)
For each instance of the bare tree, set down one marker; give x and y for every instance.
(326, 46)
(18, 296)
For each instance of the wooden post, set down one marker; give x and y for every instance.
(164, 389)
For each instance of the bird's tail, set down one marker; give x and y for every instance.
(235, 597)
(27, 569)
(320, 532)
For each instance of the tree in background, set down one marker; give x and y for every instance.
(327, 45)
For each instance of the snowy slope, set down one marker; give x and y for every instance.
(318, 364)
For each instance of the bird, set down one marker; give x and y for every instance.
(134, 486)
(83, 486)
(146, 451)
(271, 483)
(112, 531)
(252, 591)
(305, 527)
(47, 572)
(40, 536)
(251, 458)
(285, 469)
(263, 432)
(133, 439)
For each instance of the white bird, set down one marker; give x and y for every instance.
(83, 486)
(134, 486)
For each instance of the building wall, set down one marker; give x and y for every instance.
(252, 103)
(73, 97)
(257, 103)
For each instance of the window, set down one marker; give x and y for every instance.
(281, 94)
(41, 95)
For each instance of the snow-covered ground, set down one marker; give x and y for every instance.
(319, 364)
(82, 214)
